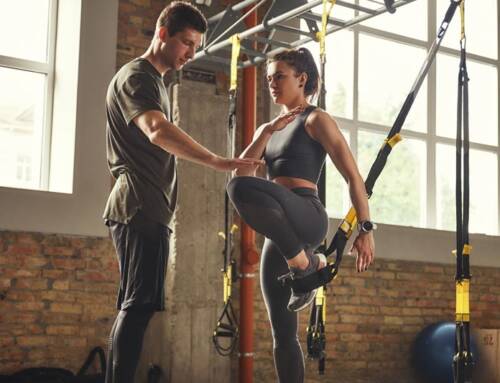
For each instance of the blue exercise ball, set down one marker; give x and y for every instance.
(433, 352)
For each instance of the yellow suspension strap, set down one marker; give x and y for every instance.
(463, 361)
(321, 38)
(227, 324)
(316, 336)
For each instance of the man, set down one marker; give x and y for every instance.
(142, 146)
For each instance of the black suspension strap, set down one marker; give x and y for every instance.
(227, 324)
(463, 361)
(389, 4)
(346, 227)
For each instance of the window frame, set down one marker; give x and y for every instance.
(46, 68)
(87, 40)
(431, 139)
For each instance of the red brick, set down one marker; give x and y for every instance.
(5, 283)
(13, 317)
(94, 312)
(85, 298)
(22, 295)
(433, 269)
(94, 276)
(94, 264)
(10, 354)
(31, 283)
(35, 262)
(57, 274)
(35, 329)
(30, 306)
(74, 342)
(61, 285)
(67, 308)
(22, 249)
(15, 273)
(59, 251)
(6, 341)
(68, 263)
(58, 296)
(33, 341)
(51, 317)
(62, 330)
(396, 320)
(411, 311)
(10, 260)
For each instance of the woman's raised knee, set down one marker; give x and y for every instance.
(239, 186)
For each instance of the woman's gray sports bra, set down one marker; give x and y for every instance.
(291, 152)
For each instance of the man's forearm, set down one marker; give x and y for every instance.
(174, 140)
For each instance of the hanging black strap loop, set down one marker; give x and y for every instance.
(227, 324)
(463, 361)
(389, 4)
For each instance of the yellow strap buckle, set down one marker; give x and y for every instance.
(321, 300)
(466, 250)
(321, 35)
(228, 283)
(462, 299)
(393, 140)
(235, 53)
(349, 222)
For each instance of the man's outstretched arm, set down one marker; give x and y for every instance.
(170, 138)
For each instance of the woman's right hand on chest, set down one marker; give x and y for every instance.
(283, 119)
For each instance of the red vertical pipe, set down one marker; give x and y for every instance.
(249, 255)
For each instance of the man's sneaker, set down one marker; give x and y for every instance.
(299, 301)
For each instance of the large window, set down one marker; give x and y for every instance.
(53, 174)
(370, 70)
(27, 56)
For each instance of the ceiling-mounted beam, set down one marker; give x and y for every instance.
(232, 15)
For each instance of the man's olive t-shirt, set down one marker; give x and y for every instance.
(145, 174)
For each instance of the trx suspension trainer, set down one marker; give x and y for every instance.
(316, 336)
(227, 325)
(346, 227)
(463, 359)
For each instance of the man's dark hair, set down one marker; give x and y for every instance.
(179, 15)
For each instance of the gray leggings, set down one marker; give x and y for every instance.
(291, 221)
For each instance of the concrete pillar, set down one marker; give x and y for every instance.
(179, 339)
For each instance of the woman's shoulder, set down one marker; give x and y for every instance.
(319, 118)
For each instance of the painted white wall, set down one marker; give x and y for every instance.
(92, 37)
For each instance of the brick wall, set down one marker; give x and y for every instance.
(57, 299)
(136, 23)
(373, 318)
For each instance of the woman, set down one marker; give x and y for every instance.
(286, 208)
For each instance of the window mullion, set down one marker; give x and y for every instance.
(354, 131)
(498, 113)
(431, 121)
(49, 98)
